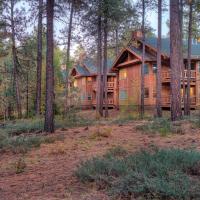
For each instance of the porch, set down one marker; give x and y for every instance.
(166, 101)
(166, 75)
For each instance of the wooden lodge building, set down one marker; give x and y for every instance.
(125, 80)
(85, 79)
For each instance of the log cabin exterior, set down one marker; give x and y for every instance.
(84, 75)
(127, 66)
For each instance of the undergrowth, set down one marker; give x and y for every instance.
(156, 174)
(22, 135)
(21, 144)
(163, 126)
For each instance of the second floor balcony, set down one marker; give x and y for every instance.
(110, 86)
(110, 101)
(166, 75)
(166, 101)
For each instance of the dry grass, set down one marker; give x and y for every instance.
(58, 148)
(101, 132)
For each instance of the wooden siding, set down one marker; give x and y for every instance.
(129, 85)
(87, 90)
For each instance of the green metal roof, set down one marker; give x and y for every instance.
(88, 67)
(152, 41)
(82, 70)
(138, 51)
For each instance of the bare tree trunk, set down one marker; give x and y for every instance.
(117, 42)
(175, 62)
(189, 59)
(49, 106)
(99, 105)
(15, 63)
(143, 60)
(39, 59)
(68, 55)
(181, 58)
(105, 68)
(158, 75)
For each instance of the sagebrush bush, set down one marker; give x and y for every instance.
(161, 174)
(21, 144)
(15, 135)
(20, 165)
(162, 126)
(23, 126)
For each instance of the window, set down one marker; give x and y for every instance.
(122, 74)
(89, 97)
(89, 79)
(146, 69)
(123, 95)
(75, 83)
(193, 66)
(154, 68)
(192, 91)
(146, 92)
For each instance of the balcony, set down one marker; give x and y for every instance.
(110, 102)
(110, 86)
(166, 75)
(166, 101)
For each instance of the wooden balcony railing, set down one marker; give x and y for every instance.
(166, 100)
(166, 75)
(110, 86)
(110, 101)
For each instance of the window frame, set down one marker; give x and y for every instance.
(148, 94)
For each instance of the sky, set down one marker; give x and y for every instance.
(151, 18)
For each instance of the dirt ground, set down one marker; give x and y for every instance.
(49, 169)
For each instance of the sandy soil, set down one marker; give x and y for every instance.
(49, 171)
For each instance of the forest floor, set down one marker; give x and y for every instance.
(48, 172)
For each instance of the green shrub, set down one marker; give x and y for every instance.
(116, 152)
(162, 126)
(161, 174)
(125, 118)
(72, 120)
(21, 144)
(23, 126)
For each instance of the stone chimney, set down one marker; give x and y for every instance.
(137, 34)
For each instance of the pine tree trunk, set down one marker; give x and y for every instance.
(39, 59)
(15, 63)
(189, 60)
(175, 62)
(68, 56)
(49, 101)
(158, 75)
(143, 60)
(27, 95)
(105, 68)
(117, 42)
(99, 105)
(181, 57)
